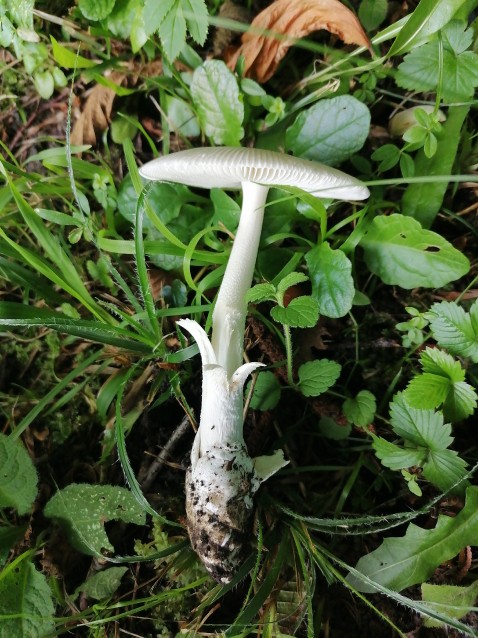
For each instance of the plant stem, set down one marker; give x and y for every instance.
(288, 352)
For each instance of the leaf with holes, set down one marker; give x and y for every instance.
(402, 253)
(84, 509)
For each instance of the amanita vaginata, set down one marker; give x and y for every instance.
(223, 478)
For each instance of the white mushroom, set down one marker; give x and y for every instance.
(223, 478)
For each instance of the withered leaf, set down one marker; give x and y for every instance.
(96, 114)
(291, 20)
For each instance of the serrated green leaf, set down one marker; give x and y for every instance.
(332, 282)
(316, 377)
(292, 279)
(96, 9)
(461, 402)
(261, 292)
(395, 457)
(424, 428)
(330, 131)
(444, 468)
(172, 32)
(427, 391)
(402, 562)
(402, 253)
(155, 12)
(429, 17)
(26, 607)
(18, 477)
(361, 409)
(450, 600)
(196, 14)
(267, 391)
(83, 509)
(103, 584)
(220, 111)
(435, 361)
(455, 329)
(302, 312)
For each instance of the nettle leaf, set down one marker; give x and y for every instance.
(96, 9)
(330, 131)
(26, 607)
(302, 312)
(18, 477)
(360, 410)
(455, 329)
(402, 253)
(316, 377)
(83, 509)
(267, 391)
(220, 110)
(402, 562)
(332, 282)
(103, 584)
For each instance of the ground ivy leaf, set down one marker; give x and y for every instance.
(455, 329)
(302, 312)
(316, 377)
(220, 110)
(267, 391)
(292, 279)
(103, 584)
(26, 607)
(83, 509)
(402, 562)
(361, 409)
(330, 131)
(402, 253)
(18, 477)
(332, 282)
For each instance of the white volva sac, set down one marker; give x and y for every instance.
(223, 478)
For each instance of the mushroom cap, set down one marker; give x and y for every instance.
(229, 167)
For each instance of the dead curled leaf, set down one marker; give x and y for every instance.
(291, 20)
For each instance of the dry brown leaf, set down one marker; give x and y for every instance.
(96, 114)
(293, 19)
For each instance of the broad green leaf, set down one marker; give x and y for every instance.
(423, 201)
(449, 600)
(402, 562)
(402, 253)
(395, 457)
(424, 428)
(427, 391)
(96, 9)
(332, 282)
(267, 391)
(332, 430)
(103, 584)
(226, 210)
(372, 13)
(44, 84)
(302, 312)
(68, 58)
(455, 329)
(26, 607)
(361, 409)
(219, 107)
(429, 17)
(83, 509)
(435, 361)
(9, 537)
(18, 477)
(330, 131)
(461, 402)
(261, 292)
(316, 377)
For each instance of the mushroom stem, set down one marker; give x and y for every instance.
(229, 315)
